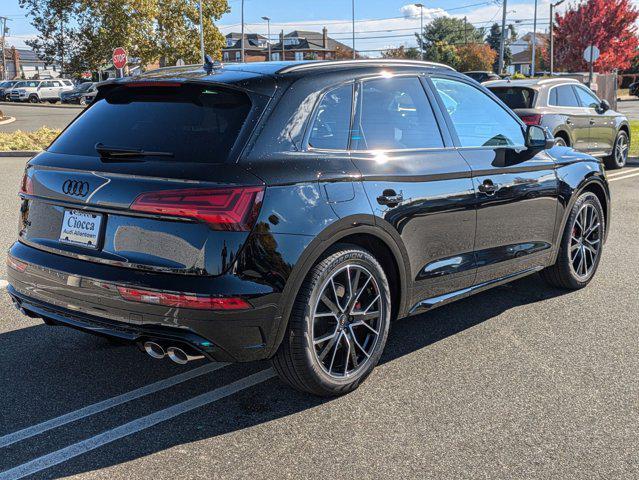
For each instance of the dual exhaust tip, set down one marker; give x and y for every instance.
(176, 354)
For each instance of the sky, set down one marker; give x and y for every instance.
(380, 24)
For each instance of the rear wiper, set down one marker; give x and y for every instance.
(128, 154)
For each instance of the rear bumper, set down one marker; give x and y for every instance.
(82, 295)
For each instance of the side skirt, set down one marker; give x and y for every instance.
(434, 302)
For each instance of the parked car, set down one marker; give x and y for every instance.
(572, 112)
(5, 87)
(245, 212)
(37, 91)
(482, 76)
(83, 94)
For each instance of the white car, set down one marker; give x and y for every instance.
(36, 91)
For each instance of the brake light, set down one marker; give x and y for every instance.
(234, 209)
(26, 186)
(183, 300)
(16, 264)
(531, 119)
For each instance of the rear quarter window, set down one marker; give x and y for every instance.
(515, 97)
(193, 122)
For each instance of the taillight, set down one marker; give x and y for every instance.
(16, 264)
(26, 186)
(531, 119)
(183, 300)
(234, 209)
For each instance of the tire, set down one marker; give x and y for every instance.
(619, 152)
(53, 101)
(568, 272)
(560, 142)
(315, 354)
(34, 99)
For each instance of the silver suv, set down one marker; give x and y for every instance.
(572, 112)
(36, 91)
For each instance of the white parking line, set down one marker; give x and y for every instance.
(623, 177)
(625, 171)
(107, 404)
(3, 283)
(142, 423)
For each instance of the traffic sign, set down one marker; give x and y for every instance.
(119, 57)
(591, 53)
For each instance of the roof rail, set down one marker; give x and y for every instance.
(312, 65)
(558, 79)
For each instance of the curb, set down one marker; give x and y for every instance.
(41, 105)
(18, 153)
(8, 121)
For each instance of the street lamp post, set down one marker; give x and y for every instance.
(502, 42)
(268, 35)
(201, 33)
(552, 40)
(353, 22)
(534, 42)
(421, 29)
(242, 37)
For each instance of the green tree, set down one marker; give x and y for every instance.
(494, 39)
(410, 53)
(442, 52)
(57, 38)
(450, 30)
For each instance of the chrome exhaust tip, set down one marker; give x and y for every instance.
(180, 357)
(154, 350)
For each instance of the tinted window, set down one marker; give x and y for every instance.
(394, 113)
(195, 123)
(515, 97)
(56, 84)
(587, 98)
(332, 122)
(478, 120)
(563, 96)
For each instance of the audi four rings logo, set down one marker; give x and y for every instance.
(75, 188)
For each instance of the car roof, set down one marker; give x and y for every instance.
(261, 77)
(530, 82)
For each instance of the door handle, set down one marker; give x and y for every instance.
(488, 187)
(568, 122)
(592, 121)
(390, 198)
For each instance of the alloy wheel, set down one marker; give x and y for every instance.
(621, 150)
(347, 321)
(585, 241)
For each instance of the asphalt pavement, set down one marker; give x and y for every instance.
(630, 108)
(32, 117)
(523, 381)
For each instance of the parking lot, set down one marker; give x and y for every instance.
(520, 381)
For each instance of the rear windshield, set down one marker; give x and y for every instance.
(194, 123)
(515, 97)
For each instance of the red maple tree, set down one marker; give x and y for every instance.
(608, 24)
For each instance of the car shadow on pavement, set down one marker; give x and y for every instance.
(49, 371)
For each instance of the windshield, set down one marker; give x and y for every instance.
(515, 97)
(83, 87)
(194, 123)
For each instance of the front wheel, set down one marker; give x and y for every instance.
(338, 326)
(34, 99)
(619, 153)
(581, 245)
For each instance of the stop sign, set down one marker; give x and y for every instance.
(119, 57)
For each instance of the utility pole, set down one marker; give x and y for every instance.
(534, 42)
(552, 40)
(61, 43)
(421, 29)
(268, 35)
(466, 30)
(353, 18)
(502, 42)
(4, 59)
(201, 33)
(242, 38)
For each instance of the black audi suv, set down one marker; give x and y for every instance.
(290, 211)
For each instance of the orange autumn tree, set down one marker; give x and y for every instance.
(608, 24)
(475, 56)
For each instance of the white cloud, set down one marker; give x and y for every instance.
(413, 11)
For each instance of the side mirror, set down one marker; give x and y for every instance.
(538, 138)
(604, 106)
